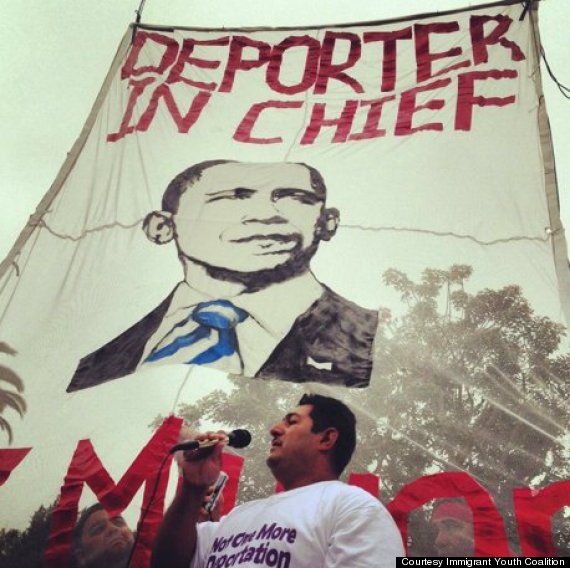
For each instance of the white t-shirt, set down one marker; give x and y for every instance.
(323, 525)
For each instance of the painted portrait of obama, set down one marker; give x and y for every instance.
(248, 302)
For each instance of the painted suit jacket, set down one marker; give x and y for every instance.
(331, 342)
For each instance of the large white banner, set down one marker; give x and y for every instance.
(368, 211)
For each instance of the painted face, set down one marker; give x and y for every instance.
(293, 444)
(104, 540)
(249, 217)
(454, 537)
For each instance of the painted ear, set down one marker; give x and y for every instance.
(328, 224)
(329, 436)
(158, 227)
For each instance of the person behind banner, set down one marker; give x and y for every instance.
(316, 521)
(101, 541)
(453, 522)
(248, 304)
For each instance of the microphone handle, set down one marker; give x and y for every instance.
(192, 445)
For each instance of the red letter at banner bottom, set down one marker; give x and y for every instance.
(534, 511)
(367, 481)
(490, 538)
(86, 468)
(9, 460)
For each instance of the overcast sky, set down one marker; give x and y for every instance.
(55, 54)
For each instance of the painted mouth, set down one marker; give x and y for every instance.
(270, 244)
(277, 237)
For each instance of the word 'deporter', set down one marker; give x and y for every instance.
(356, 78)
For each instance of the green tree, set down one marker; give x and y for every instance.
(25, 549)
(8, 397)
(472, 382)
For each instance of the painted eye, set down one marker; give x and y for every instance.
(300, 195)
(231, 194)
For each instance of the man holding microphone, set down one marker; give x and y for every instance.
(317, 521)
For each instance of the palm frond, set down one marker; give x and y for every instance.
(5, 425)
(5, 348)
(12, 400)
(9, 398)
(9, 376)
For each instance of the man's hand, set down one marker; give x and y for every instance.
(201, 467)
(176, 540)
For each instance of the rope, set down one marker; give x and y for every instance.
(139, 12)
(562, 88)
(540, 48)
(137, 20)
(527, 5)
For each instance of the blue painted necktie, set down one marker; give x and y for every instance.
(219, 315)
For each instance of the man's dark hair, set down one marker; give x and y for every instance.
(83, 518)
(185, 179)
(328, 412)
(77, 542)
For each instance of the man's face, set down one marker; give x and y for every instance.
(104, 540)
(249, 217)
(454, 537)
(293, 444)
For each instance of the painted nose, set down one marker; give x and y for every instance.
(273, 220)
(263, 210)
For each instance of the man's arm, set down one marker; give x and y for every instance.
(176, 540)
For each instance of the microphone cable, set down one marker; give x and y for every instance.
(146, 510)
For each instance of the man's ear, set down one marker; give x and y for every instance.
(158, 227)
(329, 436)
(328, 224)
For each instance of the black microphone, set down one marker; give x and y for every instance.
(236, 439)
